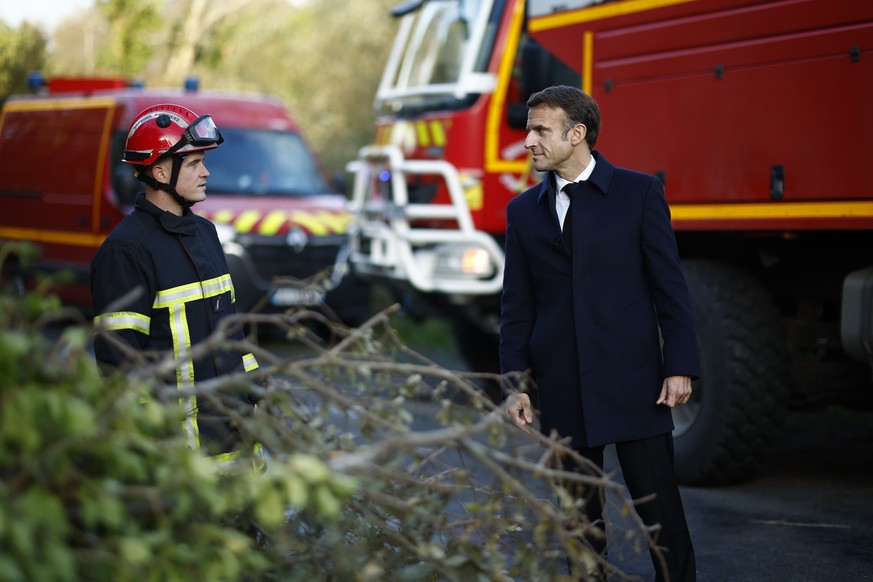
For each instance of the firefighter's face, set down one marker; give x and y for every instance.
(549, 146)
(191, 184)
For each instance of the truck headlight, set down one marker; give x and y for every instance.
(462, 260)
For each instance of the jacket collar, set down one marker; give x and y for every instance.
(600, 178)
(184, 225)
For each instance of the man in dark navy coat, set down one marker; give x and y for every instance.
(585, 313)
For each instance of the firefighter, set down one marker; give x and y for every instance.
(160, 281)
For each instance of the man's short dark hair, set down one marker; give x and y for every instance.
(577, 105)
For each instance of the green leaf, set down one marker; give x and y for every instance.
(135, 550)
(269, 510)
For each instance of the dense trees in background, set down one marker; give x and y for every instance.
(323, 58)
(21, 50)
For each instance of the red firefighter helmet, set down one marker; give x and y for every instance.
(167, 129)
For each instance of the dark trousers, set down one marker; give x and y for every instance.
(647, 466)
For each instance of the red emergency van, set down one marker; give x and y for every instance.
(63, 187)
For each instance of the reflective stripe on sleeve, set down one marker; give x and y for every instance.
(249, 362)
(124, 320)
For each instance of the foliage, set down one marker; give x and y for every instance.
(381, 466)
(126, 49)
(97, 483)
(324, 59)
(22, 51)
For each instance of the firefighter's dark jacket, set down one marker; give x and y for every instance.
(178, 263)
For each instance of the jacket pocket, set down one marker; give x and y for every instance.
(220, 303)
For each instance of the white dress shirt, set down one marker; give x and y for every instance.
(562, 201)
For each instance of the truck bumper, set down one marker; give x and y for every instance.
(388, 241)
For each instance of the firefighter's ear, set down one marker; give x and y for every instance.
(161, 173)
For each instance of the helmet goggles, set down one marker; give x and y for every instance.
(202, 133)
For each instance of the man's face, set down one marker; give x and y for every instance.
(550, 148)
(191, 184)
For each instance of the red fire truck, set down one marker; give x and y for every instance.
(756, 116)
(63, 187)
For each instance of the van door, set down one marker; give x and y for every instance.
(52, 166)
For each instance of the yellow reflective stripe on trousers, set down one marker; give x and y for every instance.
(249, 362)
(124, 320)
(193, 291)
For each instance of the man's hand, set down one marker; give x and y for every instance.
(676, 390)
(518, 407)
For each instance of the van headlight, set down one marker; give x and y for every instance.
(462, 260)
(226, 233)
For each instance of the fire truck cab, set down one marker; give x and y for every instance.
(63, 188)
(756, 116)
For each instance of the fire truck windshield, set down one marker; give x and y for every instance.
(441, 54)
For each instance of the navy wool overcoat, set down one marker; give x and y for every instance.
(586, 324)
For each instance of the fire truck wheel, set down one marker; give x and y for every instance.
(736, 410)
(12, 278)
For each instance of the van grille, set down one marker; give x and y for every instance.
(271, 257)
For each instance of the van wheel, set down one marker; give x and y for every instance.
(738, 405)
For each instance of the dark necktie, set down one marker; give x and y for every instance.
(567, 229)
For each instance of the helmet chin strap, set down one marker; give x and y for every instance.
(171, 187)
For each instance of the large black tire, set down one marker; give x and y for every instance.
(480, 351)
(737, 407)
(12, 278)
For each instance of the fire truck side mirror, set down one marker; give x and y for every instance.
(535, 66)
(541, 69)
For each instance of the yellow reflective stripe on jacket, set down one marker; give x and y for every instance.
(249, 362)
(193, 291)
(178, 318)
(124, 320)
(258, 458)
(176, 300)
(181, 345)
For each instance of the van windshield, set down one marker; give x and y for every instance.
(264, 162)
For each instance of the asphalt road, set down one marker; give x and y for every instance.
(806, 517)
